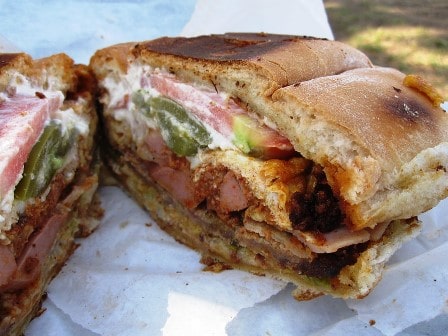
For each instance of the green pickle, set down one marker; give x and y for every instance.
(183, 134)
(138, 98)
(46, 157)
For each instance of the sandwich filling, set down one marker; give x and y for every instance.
(213, 155)
(40, 157)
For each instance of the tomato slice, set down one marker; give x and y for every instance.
(22, 120)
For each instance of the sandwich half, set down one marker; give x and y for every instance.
(47, 176)
(286, 156)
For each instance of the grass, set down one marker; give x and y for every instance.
(410, 35)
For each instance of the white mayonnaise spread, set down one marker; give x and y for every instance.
(124, 110)
(69, 119)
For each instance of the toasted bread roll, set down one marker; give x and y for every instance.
(281, 155)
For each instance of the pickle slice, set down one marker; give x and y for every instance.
(46, 157)
(183, 134)
(176, 136)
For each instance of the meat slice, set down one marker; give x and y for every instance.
(210, 107)
(22, 120)
(8, 263)
(231, 194)
(30, 262)
(178, 183)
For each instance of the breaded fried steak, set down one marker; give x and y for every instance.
(281, 155)
(47, 176)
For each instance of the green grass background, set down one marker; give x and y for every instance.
(409, 35)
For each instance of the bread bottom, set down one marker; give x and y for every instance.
(203, 231)
(19, 307)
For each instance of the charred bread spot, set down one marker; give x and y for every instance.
(241, 43)
(410, 109)
(441, 168)
(40, 95)
(227, 47)
(6, 59)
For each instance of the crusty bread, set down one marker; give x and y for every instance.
(371, 133)
(70, 201)
(384, 146)
(58, 72)
(381, 144)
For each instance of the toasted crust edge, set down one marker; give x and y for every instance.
(353, 282)
(368, 173)
(58, 72)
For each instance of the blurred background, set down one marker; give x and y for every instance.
(410, 35)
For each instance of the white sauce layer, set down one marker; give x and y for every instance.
(131, 82)
(69, 119)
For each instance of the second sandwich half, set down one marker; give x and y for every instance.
(281, 155)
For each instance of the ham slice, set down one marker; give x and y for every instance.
(332, 241)
(16, 275)
(209, 107)
(22, 120)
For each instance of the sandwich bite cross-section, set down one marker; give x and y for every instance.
(282, 155)
(48, 176)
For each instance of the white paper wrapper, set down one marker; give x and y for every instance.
(130, 278)
(298, 17)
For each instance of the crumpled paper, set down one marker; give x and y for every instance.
(298, 17)
(130, 278)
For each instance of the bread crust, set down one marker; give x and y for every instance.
(60, 68)
(367, 129)
(73, 198)
(384, 131)
(278, 57)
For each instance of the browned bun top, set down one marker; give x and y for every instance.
(287, 59)
(383, 144)
(394, 122)
(9, 59)
(111, 59)
(13, 62)
(57, 72)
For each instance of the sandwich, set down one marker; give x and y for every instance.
(285, 156)
(48, 176)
